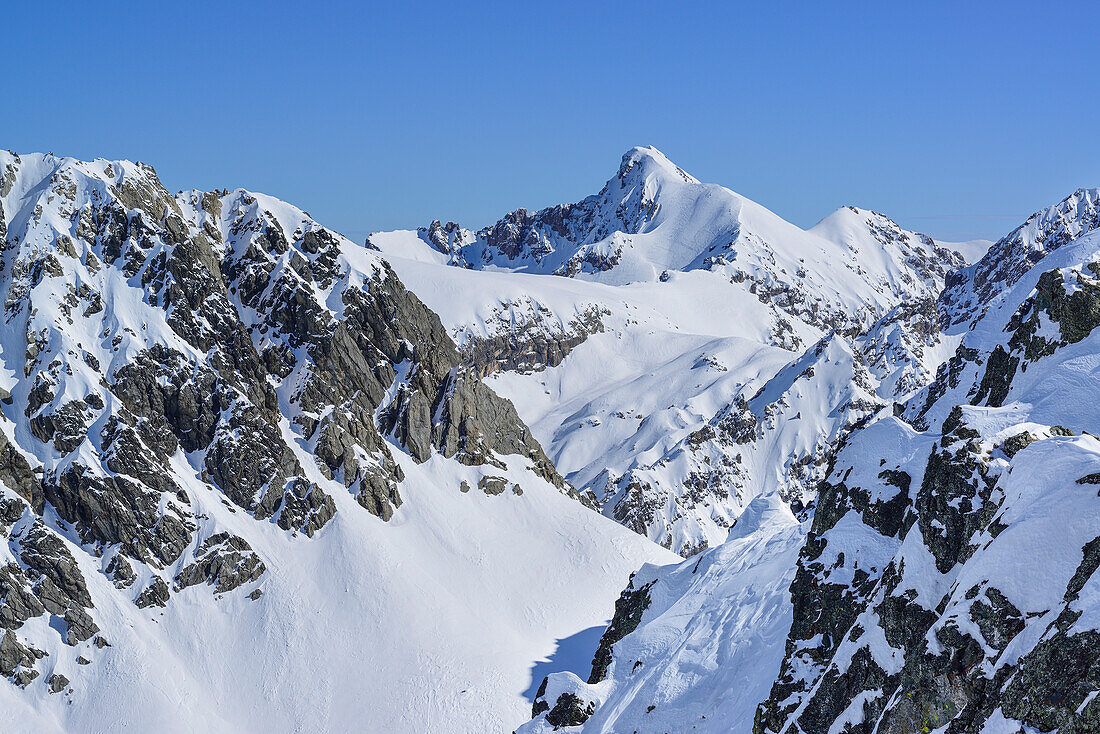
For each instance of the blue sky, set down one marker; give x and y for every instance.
(957, 119)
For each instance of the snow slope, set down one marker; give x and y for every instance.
(430, 623)
(710, 640)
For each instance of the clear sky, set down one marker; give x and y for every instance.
(957, 119)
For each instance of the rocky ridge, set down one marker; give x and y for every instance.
(1013, 255)
(936, 593)
(222, 337)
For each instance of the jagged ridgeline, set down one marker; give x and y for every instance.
(220, 336)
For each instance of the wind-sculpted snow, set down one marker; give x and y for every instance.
(238, 460)
(709, 637)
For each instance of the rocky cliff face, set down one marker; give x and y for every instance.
(934, 592)
(225, 337)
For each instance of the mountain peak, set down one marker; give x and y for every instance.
(646, 160)
(853, 214)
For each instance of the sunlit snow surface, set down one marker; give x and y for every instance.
(431, 622)
(712, 638)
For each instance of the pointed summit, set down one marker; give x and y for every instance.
(644, 161)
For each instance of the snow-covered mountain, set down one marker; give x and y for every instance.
(1010, 257)
(248, 485)
(651, 218)
(946, 576)
(257, 477)
(684, 300)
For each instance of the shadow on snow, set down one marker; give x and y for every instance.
(573, 653)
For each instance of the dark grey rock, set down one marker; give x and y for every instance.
(44, 553)
(570, 710)
(16, 473)
(118, 510)
(19, 602)
(121, 572)
(13, 654)
(57, 683)
(378, 494)
(1015, 444)
(629, 608)
(225, 562)
(81, 627)
(169, 390)
(492, 485)
(154, 595)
